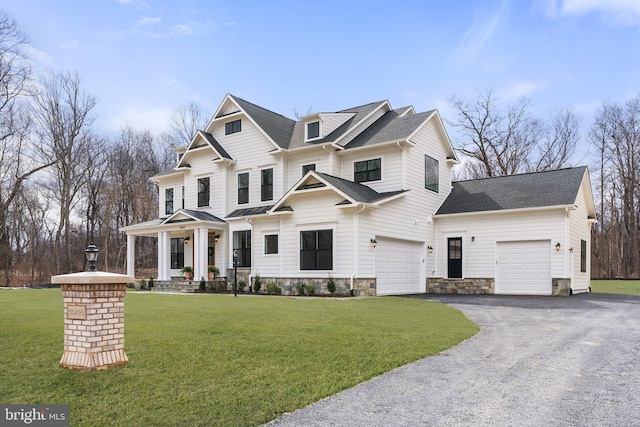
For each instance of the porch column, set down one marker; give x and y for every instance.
(163, 256)
(131, 254)
(200, 247)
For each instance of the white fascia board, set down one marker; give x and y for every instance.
(344, 150)
(294, 190)
(443, 131)
(391, 198)
(506, 211)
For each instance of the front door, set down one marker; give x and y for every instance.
(454, 256)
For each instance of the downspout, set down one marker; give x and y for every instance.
(356, 229)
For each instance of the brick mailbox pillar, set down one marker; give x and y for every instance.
(93, 319)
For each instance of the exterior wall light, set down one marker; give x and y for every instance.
(430, 249)
(216, 238)
(373, 242)
(186, 240)
(558, 247)
(92, 256)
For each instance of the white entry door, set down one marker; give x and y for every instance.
(524, 268)
(399, 266)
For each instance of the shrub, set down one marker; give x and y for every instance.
(300, 288)
(218, 286)
(151, 284)
(131, 285)
(273, 289)
(202, 286)
(143, 284)
(331, 285)
(310, 289)
(241, 285)
(257, 283)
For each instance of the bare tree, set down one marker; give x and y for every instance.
(62, 114)
(559, 144)
(185, 121)
(17, 157)
(499, 139)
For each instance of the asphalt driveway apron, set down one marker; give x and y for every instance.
(538, 361)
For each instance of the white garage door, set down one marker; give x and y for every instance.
(524, 268)
(399, 267)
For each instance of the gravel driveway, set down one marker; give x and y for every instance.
(538, 361)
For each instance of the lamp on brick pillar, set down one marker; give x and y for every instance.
(92, 256)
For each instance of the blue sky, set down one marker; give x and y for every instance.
(142, 58)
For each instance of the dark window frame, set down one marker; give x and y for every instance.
(243, 188)
(313, 130)
(242, 247)
(233, 127)
(583, 256)
(177, 253)
(431, 174)
(367, 170)
(271, 244)
(168, 201)
(266, 184)
(204, 191)
(316, 249)
(307, 168)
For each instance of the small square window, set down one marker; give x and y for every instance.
(307, 168)
(233, 127)
(313, 130)
(368, 170)
(271, 244)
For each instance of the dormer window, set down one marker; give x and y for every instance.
(233, 127)
(313, 130)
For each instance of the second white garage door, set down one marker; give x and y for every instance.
(524, 268)
(399, 267)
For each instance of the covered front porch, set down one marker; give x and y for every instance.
(187, 238)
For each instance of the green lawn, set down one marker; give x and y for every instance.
(616, 286)
(202, 360)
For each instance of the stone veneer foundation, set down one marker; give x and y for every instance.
(93, 320)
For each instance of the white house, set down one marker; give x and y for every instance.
(365, 196)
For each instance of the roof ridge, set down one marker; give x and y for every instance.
(262, 108)
(520, 174)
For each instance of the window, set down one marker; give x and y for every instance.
(431, 173)
(266, 184)
(271, 244)
(168, 201)
(243, 188)
(368, 170)
(183, 197)
(233, 127)
(313, 130)
(316, 250)
(307, 168)
(242, 247)
(203, 192)
(177, 253)
(583, 256)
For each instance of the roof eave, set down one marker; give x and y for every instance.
(505, 211)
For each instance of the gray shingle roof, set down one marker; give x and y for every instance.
(198, 215)
(358, 192)
(530, 190)
(278, 127)
(389, 127)
(216, 145)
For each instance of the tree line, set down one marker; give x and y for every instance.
(63, 185)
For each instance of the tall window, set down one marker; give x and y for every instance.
(313, 130)
(368, 170)
(431, 172)
(583, 256)
(271, 244)
(177, 253)
(242, 247)
(307, 168)
(203, 192)
(168, 201)
(316, 250)
(266, 185)
(233, 127)
(183, 197)
(243, 188)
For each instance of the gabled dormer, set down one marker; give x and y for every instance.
(318, 125)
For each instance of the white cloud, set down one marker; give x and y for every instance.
(517, 89)
(148, 20)
(478, 34)
(615, 12)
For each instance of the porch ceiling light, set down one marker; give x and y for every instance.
(92, 256)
